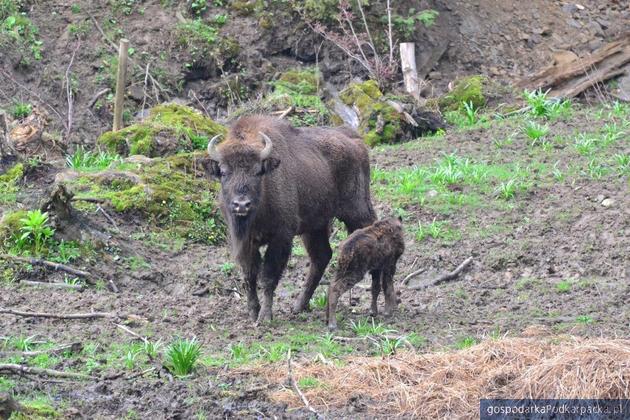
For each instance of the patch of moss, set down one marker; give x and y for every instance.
(9, 183)
(466, 89)
(169, 128)
(10, 226)
(379, 122)
(298, 88)
(246, 7)
(166, 191)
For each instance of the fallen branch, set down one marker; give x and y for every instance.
(89, 199)
(127, 330)
(29, 370)
(51, 285)
(295, 387)
(444, 277)
(98, 96)
(69, 94)
(90, 315)
(414, 273)
(108, 217)
(55, 266)
(286, 112)
(75, 347)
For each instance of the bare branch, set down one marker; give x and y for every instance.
(29, 370)
(444, 277)
(295, 387)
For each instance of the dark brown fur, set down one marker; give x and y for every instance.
(376, 247)
(311, 176)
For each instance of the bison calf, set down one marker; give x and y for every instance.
(376, 247)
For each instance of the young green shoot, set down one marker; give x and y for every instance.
(182, 356)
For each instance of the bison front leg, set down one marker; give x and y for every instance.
(319, 252)
(387, 281)
(276, 258)
(250, 271)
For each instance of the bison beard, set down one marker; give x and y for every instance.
(297, 181)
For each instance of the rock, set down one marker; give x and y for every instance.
(569, 8)
(600, 198)
(608, 202)
(574, 23)
(435, 75)
(431, 194)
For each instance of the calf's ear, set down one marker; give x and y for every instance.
(269, 164)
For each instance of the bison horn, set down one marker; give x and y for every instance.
(212, 147)
(266, 151)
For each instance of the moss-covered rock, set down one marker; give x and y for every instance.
(380, 122)
(168, 191)
(169, 128)
(299, 88)
(10, 226)
(466, 89)
(9, 183)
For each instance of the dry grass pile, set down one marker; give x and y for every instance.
(450, 384)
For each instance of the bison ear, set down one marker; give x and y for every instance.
(269, 164)
(212, 168)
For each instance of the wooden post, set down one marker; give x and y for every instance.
(408, 64)
(121, 79)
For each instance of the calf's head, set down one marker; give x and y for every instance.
(241, 166)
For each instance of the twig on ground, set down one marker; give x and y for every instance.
(69, 94)
(51, 285)
(108, 217)
(89, 315)
(444, 277)
(89, 199)
(55, 266)
(98, 96)
(135, 334)
(410, 276)
(286, 112)
(30, 370)
(53, 350)
(295, 387)
(139, 374)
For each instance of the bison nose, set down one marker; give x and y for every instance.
(241, 206)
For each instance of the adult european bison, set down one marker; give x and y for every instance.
(277, 182)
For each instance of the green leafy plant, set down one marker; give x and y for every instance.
(22, 343)
(182, 356)
(470, 112)
(465, 343)
(507, 190)
(365, 327)
(35, 232)
(21, 110)
(152, 348)
(198, 6)
(563, 286)
(388, 346)
(584, 319)
(65, 252)
(535, 131)
(542, 106)
(623, 163)
(320, 301)
(82, 160)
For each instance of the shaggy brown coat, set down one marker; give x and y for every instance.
(376, 247)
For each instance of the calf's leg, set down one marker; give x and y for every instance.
(376, 290)
(389, 290)
(319, 252)
(337, 288)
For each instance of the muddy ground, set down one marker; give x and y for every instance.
(556, 254)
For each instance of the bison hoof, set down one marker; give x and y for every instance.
(264, 317)
(300, 307)
(332, 326)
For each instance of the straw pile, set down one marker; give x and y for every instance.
(450, 384)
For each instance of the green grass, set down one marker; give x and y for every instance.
(182, 356)
(367, 327)
(541, 106)
(436, 230)
(82, 160)
(387, 346)
(320, 300)
(535, 131)
(584, 319)
(465, 343)
(21, 110)
(563, 286)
